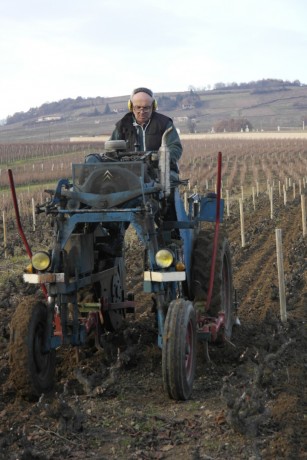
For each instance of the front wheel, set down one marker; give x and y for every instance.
(32, 367)
(179, 349)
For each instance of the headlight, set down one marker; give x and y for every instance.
(164, 258)
(41, 261)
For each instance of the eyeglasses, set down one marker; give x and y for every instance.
(145, 109)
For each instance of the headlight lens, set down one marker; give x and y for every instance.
(164, 258)
(41, 261)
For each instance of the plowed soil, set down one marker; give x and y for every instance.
(247, 401)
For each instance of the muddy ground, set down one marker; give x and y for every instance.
(247, 402)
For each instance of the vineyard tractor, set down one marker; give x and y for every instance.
(187, 266)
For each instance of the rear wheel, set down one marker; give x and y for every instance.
(222, 293)
(179, 349)
(32, 368)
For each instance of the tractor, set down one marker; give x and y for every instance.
(187, 267)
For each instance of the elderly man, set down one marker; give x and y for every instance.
(142, 127)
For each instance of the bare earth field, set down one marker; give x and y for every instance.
(248, 400)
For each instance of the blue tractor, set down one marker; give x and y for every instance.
(187, 267)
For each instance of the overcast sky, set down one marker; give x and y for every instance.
(52, 50)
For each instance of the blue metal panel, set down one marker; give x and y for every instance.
(128, 215)
(208, 209)
(186, 234)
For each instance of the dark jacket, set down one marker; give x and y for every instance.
(149, 137)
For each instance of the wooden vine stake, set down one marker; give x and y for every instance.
(33, 215)
(303, 214)
(271, 202)
(227, 203)
(185, 201)
(4, 235)
(242, 223)
(281, 277)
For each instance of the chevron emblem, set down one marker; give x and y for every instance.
(107, 176)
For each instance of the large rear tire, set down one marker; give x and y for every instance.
(32, 369)
(179, 349)
(222, 293)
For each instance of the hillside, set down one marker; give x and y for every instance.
(193, 111)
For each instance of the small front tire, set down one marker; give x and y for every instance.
(32, 368)
(179, 349)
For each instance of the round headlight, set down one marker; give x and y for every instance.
(164, 258)
(41, 261)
